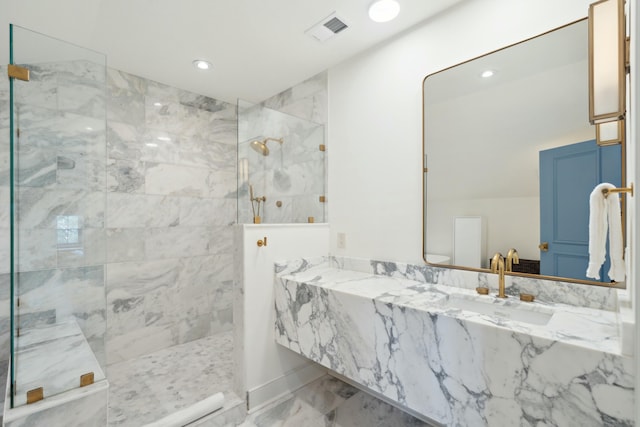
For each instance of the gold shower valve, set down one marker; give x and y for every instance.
(262, 242)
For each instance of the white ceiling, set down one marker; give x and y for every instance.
(258, 47)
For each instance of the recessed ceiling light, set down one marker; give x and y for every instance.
(384, 10)
(157, 104)
(151, 144)
(164, 138)
(487, 73)
(201, 64)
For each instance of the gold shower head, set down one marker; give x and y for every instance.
(260, 147)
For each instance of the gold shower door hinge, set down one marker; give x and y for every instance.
(86, 379)
(35, 395)
(17, 72)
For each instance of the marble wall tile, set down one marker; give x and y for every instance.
(125, 244)
(221, 184)
(80, 171)
(117, 79)
(90, 249)
(213, 154)
(5, 307)
(139, 210)
(91, 70)
(37, 249)
(40, 208)
(307, 100)
(36, 169)
(124, 141)
(161, 93)
(174, 242)
(86, 98)
(166, 117)
(221, 240)
(41, 90)
(137, 342)
(177, 180)
(201, 212)
(5, 251)
(125, 106)
(125, 176)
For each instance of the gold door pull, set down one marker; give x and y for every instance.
(544, 246)
(262, 242)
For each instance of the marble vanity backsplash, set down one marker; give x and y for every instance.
(551, 291)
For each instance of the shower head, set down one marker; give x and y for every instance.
(260, 147)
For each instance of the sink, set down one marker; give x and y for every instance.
(520, 313)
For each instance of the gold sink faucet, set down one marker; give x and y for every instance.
(497, 266)
(512, 258)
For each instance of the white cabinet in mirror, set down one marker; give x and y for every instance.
(516, 149)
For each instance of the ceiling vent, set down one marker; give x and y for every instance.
(327, 28)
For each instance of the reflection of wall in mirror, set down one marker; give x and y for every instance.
(482, 138)
(512, 221)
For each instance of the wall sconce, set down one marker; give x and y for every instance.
(610, 133)
(607, 48)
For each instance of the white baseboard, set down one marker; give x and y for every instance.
(287, 383)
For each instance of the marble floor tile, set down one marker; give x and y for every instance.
(153, 386)
(329, 402)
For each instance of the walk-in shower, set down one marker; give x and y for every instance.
(281, 167)
(56, 182)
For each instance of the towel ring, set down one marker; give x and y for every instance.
(608, 191)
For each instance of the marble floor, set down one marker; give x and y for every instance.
(329, 402)
(150, 387)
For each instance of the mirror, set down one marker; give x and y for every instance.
(511, 158)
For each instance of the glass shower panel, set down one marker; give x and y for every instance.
(57, 181)
(281, 167)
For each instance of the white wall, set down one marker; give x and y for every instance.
(510, 223)
(375, 116)
(269, 370)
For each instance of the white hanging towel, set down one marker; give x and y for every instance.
(604, 214)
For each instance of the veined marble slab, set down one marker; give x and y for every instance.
(53, 357)
(406, 340)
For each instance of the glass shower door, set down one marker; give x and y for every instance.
(57, 189)
(281, 167)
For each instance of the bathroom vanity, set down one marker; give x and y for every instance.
(421, 337)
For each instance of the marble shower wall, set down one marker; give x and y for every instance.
(171, 183)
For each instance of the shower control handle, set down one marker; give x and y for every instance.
(262, 242)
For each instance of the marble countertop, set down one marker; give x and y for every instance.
(584, 327)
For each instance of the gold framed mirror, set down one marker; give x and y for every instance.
(506, 135)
